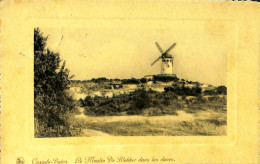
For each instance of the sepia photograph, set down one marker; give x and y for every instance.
(130, 81)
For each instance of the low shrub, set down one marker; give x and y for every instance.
(130, 81)
(184, 91)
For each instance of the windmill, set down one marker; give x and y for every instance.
(167, 60)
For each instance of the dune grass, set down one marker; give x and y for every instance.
(197, 127)
(203, 122)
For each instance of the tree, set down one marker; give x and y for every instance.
(52, 102)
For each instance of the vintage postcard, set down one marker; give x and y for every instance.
(129, 82)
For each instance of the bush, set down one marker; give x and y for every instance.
(222, 90)
(155, 102)
(165, 78)
(98, 80)
(131, 81)
(219, 90)
(141, 100)
(88, 101)
(166, 102)
(81, 102)
(133, 103)
(186, 91)
(143, 80)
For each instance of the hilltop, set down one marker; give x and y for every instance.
(103, 87)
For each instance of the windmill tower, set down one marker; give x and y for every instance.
(167, 60)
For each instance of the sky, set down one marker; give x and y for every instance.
(126, 49)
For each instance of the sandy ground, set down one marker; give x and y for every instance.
(145, 120)
(182, 116)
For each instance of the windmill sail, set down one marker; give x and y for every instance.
(169, 49)
(159, 47)
(156, 60)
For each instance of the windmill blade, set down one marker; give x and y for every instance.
(169, 49)
(156, 60)
(159, 47)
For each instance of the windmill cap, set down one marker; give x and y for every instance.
(168, 56)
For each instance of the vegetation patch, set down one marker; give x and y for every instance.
(53, 105)
(149, 102)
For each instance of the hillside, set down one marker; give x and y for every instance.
(138, 96)
(150, 107)
(113, 87)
